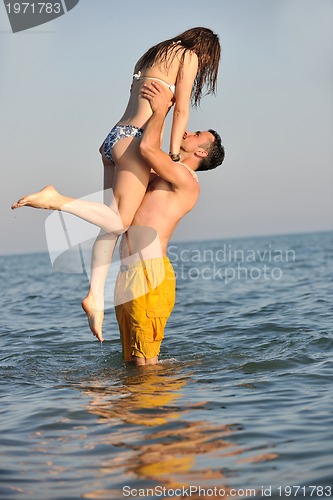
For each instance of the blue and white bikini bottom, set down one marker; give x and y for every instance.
(119, 132)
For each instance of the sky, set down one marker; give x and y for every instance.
(65, 84)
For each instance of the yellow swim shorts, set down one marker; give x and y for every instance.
(151, 286)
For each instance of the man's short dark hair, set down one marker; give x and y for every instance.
(215, 155)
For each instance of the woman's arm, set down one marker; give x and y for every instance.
(184, 84)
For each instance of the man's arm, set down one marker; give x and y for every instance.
(159, 98)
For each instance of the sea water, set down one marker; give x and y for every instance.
(240, 405)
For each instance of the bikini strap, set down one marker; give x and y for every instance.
(138, 76)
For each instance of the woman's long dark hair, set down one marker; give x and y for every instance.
(204, 42)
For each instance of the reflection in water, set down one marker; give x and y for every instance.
(145, 397)
(157, 446)
(144, 419)
(147, 436)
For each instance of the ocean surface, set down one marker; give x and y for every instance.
(240, 405)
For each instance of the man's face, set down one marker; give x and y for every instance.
(192, 141)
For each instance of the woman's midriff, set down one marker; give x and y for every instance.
(138, 110)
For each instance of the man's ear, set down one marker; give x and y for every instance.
(201, 153)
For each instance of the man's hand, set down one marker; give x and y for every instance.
(159, 96)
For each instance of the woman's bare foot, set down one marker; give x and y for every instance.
(47, 198)
(95, 316)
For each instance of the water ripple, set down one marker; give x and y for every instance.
(242, 397)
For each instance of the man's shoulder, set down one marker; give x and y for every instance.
(182, 184)
(187, 179)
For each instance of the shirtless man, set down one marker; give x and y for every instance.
(167, 200)
(151, 282)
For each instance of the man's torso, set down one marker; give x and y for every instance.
(161, 209)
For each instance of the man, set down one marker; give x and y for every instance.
(145, 289)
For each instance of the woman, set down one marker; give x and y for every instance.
(187, 64)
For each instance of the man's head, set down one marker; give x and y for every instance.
(202, 150)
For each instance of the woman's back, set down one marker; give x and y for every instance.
(138, 110)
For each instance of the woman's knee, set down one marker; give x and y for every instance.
(126, 221)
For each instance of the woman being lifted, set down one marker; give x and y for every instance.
(187, 64)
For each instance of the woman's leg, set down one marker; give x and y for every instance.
(100, 215)
(129, 180)
(130, 185)
(102, 252)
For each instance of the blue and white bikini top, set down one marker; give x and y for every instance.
(137, 76)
